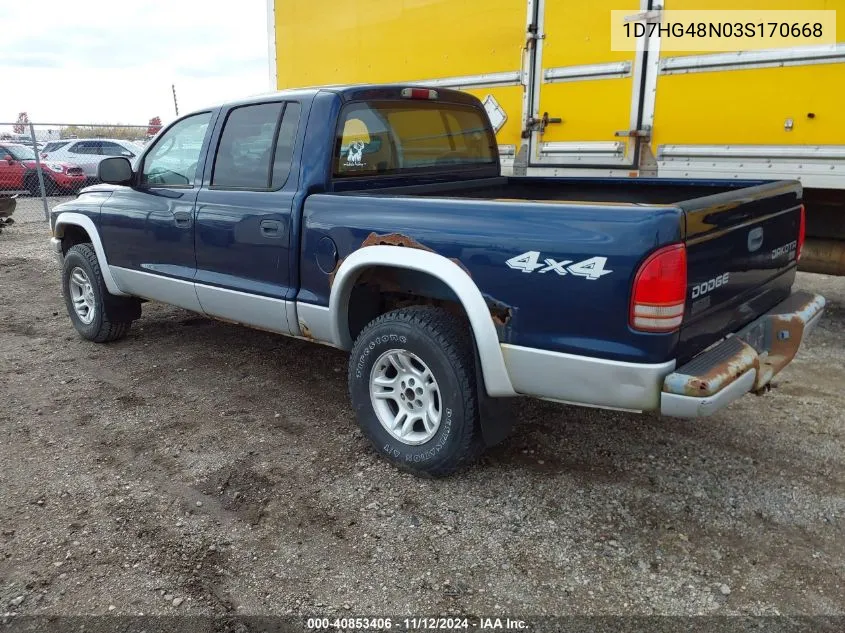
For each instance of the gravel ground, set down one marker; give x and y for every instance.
(198, 467)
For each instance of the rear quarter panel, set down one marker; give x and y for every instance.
(564, 313)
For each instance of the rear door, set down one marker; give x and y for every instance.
(583, 91)
(243, 223)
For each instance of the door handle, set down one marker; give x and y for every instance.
(182, 218)
(271, 228)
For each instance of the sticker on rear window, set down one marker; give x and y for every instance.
(355, 155)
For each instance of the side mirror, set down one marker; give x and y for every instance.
(116, 170)
(10, 160)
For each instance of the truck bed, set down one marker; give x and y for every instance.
(740, 239)
(647, 191)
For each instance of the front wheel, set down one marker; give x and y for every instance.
(95, 313)
(413, 388)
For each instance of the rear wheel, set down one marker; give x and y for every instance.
(95, 313)
(413, 388)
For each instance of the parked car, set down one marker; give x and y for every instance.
(26, 141)
(19, 172)
(375, 219)
(88, 152)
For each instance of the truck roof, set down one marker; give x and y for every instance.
(353, 92)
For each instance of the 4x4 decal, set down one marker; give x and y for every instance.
(529, 262)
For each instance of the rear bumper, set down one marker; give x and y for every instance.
(746, 361)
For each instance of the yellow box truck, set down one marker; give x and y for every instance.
(566, 99)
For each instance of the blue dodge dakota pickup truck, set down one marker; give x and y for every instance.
(375, 219)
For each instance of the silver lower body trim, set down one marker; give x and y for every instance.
(314, 322)
(584, 380)
(157, 288)
(674, 405)
(264, 313)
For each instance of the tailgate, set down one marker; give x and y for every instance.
(742, 249)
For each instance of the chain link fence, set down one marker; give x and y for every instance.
(43, 164)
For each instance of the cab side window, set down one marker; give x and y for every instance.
(256, 147)
(174, 159)
(246, 146)
(285, 145)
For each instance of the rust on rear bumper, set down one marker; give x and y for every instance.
(766, 345)
(714, 370)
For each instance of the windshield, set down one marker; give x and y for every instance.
(393, 137)
(20, 152)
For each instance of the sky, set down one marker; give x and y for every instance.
(114, 61)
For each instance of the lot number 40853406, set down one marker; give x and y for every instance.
(529, 262)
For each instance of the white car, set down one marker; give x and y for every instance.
(88, 152)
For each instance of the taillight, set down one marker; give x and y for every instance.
(802, 230)
(418, 93)
(660, 289)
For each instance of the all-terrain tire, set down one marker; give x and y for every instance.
(111, 316)
(444, 346)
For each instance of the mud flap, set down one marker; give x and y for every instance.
(123, 308)
(496, 414)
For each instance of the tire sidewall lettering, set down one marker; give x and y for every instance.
(382, 339)
(441, 438)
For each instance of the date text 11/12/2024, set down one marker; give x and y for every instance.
(416, 624)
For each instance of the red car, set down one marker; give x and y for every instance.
(19, 171)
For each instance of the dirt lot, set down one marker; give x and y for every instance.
(219, 469)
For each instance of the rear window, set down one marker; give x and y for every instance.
(394, 137)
